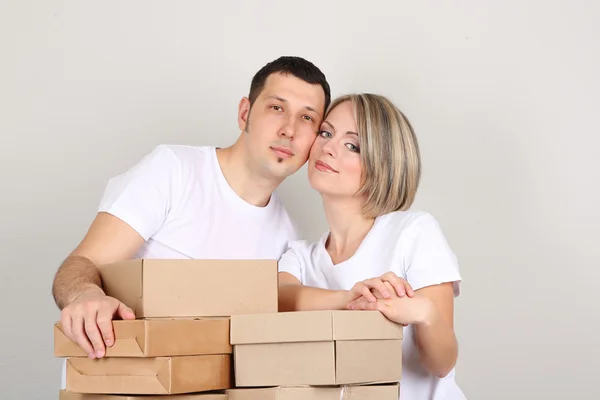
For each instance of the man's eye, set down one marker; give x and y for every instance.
(308, 118)
(277, 108)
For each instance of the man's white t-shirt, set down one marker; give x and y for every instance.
(179, 201)
(408, 243)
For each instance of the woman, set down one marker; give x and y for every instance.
(378, 255)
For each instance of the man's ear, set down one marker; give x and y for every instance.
(243, 113)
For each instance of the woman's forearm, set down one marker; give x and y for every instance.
(437, 344)
(297, 297)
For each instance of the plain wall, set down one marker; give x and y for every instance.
(503, 96)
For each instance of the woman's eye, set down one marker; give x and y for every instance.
(325, 134)
(352, 147)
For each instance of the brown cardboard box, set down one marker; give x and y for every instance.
(65, 395)
(315, 348)
(377, 392)
(160, 375)
(157, 337)
(193, 288)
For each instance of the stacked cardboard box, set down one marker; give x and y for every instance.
(193, 316)
(179, 342)
(316, 355)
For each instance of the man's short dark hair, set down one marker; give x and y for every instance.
(296, 66)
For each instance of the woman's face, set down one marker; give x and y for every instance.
(334, 166)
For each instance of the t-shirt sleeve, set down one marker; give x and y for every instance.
(290, 262)
(143, 195)
(429, 259)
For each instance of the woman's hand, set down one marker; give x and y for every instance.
(387, 286)
(404, 310)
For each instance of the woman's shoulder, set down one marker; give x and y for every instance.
(407, 221)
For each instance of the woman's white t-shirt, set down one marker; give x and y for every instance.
(408, 243)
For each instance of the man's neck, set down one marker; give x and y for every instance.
(348, 227)
(245, 181)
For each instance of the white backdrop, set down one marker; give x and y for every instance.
(503, 95)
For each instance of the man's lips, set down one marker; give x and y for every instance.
(282, 152)
(324, 167)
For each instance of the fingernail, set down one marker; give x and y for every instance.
(91, 355)
(99, 353)
(108, 342)
(386, 295)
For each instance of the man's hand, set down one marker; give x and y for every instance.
(87, 320)
(387, 286)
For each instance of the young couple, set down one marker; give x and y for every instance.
(207, 202)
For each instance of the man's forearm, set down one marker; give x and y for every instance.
(76, 275)
(295, 297)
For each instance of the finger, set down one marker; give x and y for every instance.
(81, 338)
(93, 334)
(366, 292)
(368, 306)
(353, 305)
(65, 325)
(399, 284)
(125, 312)
(105, 326)
(377, 284)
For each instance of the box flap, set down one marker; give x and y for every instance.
(129, 341)
(300, 326)
(364, 325)
(201, 373)
(116, 375)
(123, 281)
(66, 395)
(190, 288)
(184, 337)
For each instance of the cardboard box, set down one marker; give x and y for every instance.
(193, 288)
(156, 338)
(316, 348)
(378, 392)
(160, 375)
(65, 395)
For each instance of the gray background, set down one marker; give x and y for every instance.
(503, 95)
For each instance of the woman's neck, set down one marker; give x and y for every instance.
(348, 227)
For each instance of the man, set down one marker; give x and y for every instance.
(198, 202)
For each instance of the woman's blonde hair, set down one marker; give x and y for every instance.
(389, 152)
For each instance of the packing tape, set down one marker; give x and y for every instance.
(344, 392)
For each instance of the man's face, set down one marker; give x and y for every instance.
(282, 124)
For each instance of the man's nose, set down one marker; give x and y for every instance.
(288, 129)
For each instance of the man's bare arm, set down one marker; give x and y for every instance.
(77, 289)
(108, 240)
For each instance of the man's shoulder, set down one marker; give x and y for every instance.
(187, 153)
